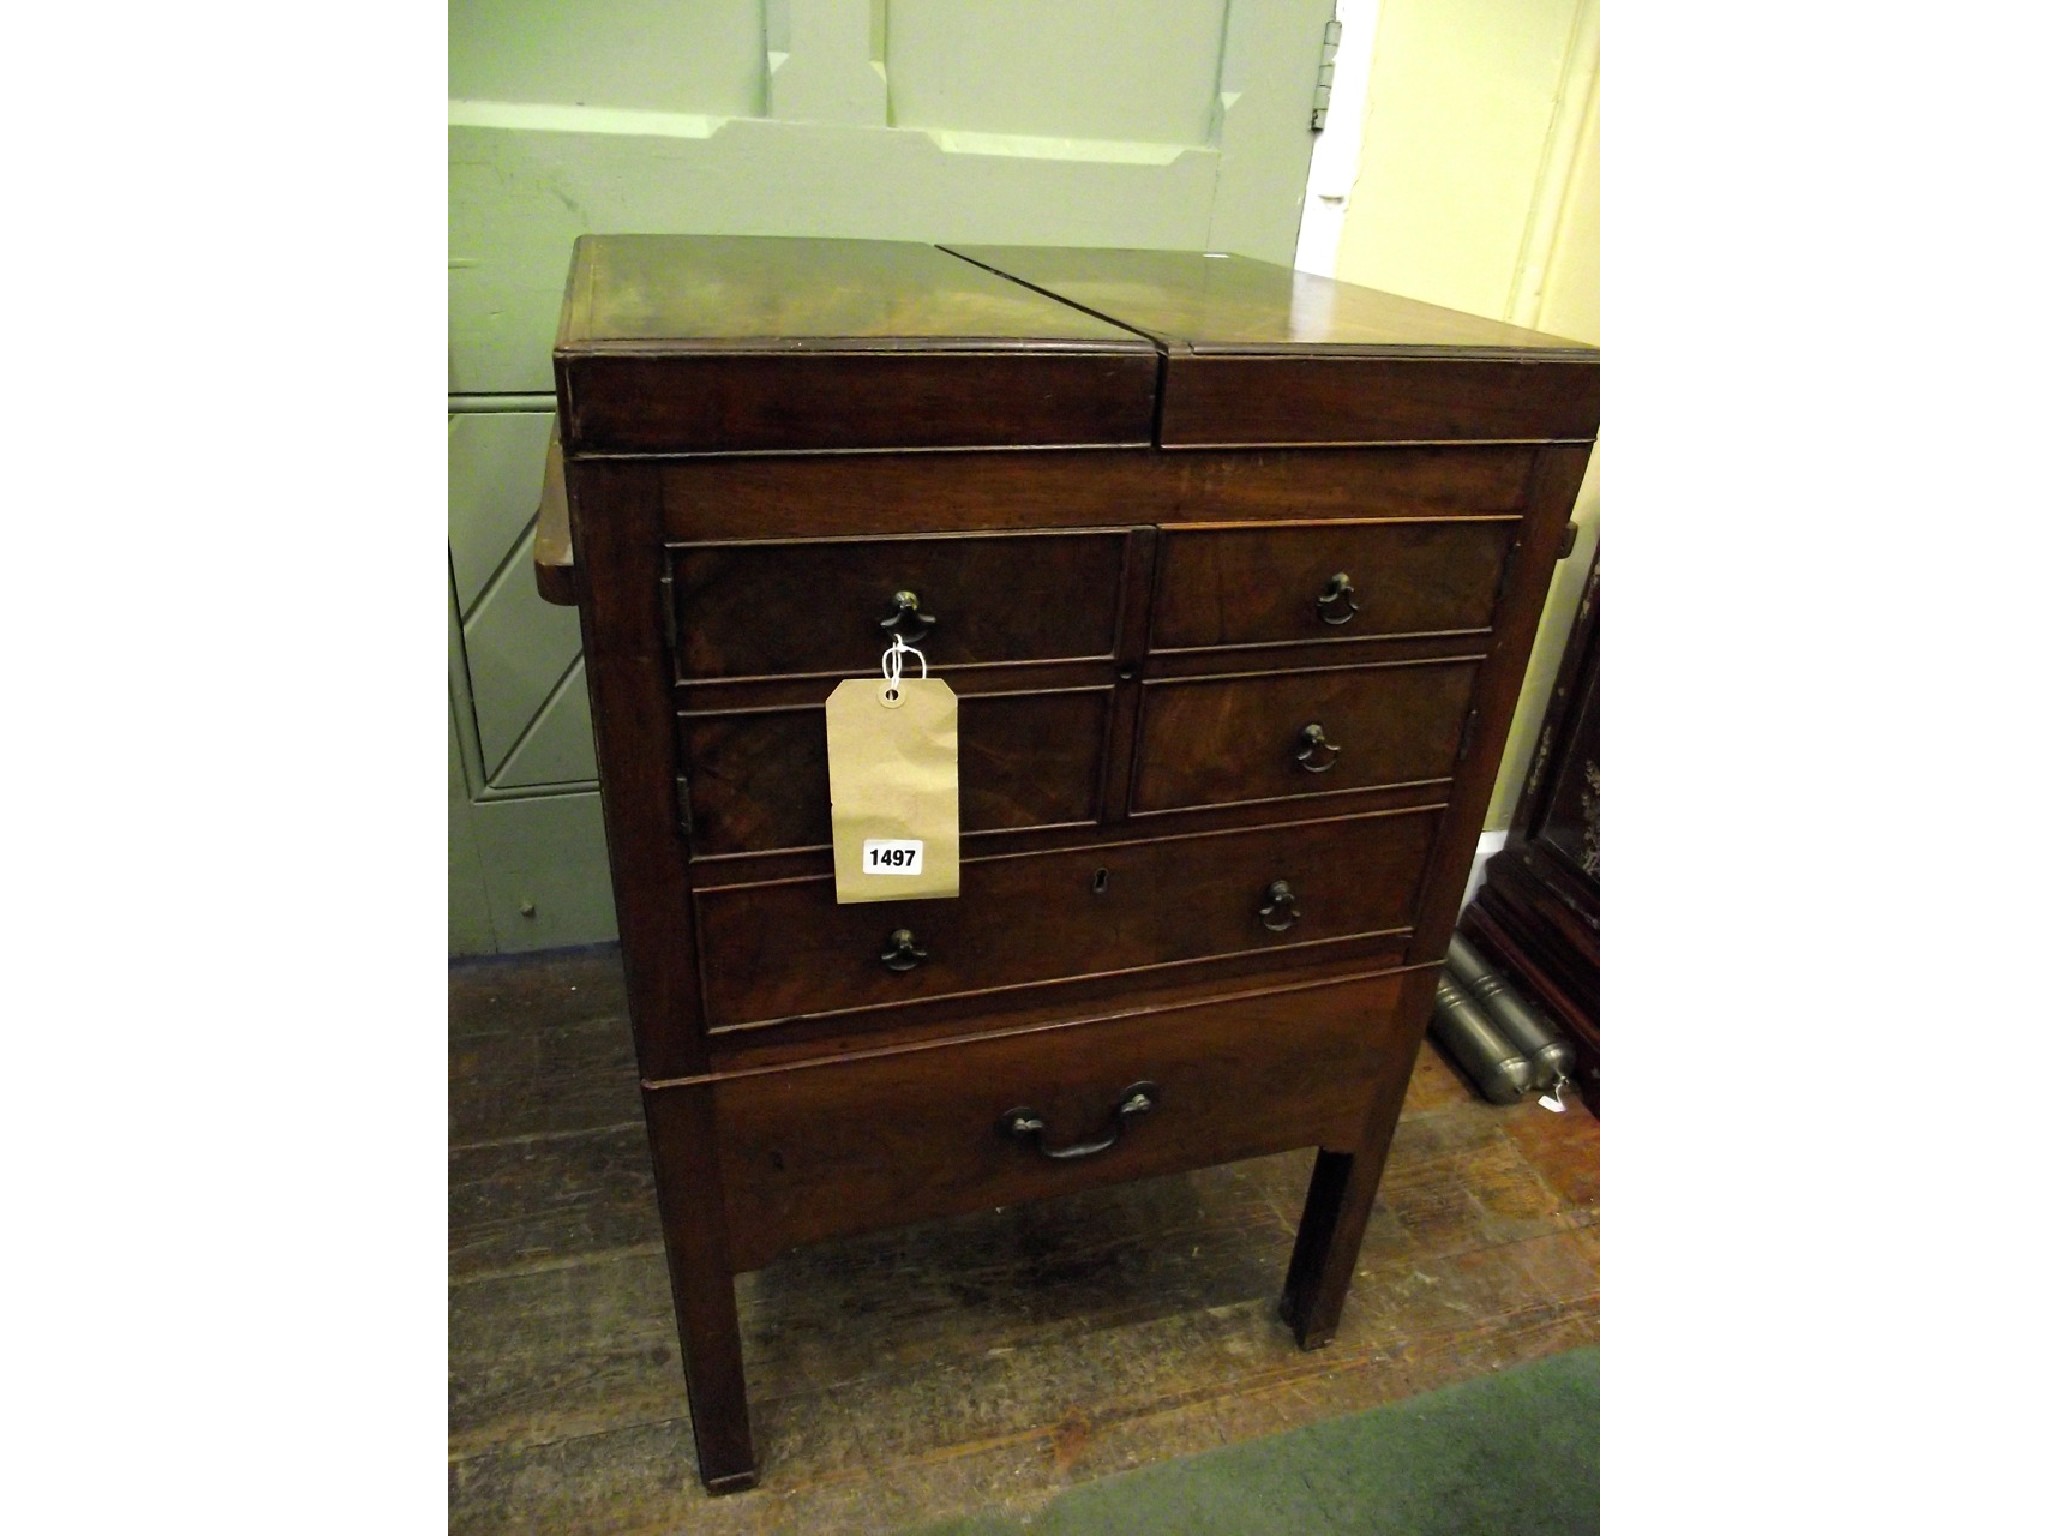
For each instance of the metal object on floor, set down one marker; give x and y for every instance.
(1550, 1057)
(1476, 1043)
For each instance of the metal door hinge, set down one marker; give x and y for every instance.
(1570, 541)
(668, 610)
(1326, 72)
(1471, 730)
(683, 805)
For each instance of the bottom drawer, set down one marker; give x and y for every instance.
(833, 1148)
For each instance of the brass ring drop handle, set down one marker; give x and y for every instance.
(1339, 601)
(904, 621)
(1029, 1125)
(902, 952)
(1281, 909)
(1312, 741)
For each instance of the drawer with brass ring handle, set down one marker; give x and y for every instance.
(915, 1132)
(1242, 585)
(787, 950)
(1027, 1124)
(1313, 741)
(903, 952)
(817, 607)
(1338, 603)
(1279, 902)
(1229, 739)
(904, 619)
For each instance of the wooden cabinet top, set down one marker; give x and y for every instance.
(742, 292)
(1221, 303)
(691, 344)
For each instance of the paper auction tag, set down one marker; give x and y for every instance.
(895, 769)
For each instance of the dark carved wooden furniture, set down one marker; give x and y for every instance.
(1235, 573)
(1537, 915)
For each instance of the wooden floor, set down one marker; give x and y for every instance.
(962, 1365)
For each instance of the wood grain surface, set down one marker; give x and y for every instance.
(1249, 586)
(780, 496)
(1233, 303)
(554, 549)
(675, 289)
(816, 607)
(1215, 740)
(1260, 355)
(758, 779)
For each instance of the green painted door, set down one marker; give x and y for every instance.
(1175, 124)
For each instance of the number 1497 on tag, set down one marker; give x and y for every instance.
(880, 857)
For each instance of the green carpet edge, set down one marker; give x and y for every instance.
(1513, 1452)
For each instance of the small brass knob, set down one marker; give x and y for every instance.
(904, 621)
(902, 952)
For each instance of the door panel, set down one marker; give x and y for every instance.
(493, 487)
(469, 906)
(520, 649)
(523, 657)
(544, 865)
(558, 748)
(654, 55)
(520, 714)
(1142, 70)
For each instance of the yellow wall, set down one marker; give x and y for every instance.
(1479, 188)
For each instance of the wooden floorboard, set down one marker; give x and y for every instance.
(990, 1361)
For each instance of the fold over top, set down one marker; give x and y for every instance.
(1259, 355)
(692, 344)
(698, 343)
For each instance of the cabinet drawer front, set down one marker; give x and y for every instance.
(761, 610)
(1252, 586)
(1217, 741)
(787, 950)
(758, 779)
(813, 1152)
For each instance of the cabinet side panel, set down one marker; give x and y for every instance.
(615, 510)
(1553, 486)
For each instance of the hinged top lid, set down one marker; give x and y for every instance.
(1258, 354)
(697, 343)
